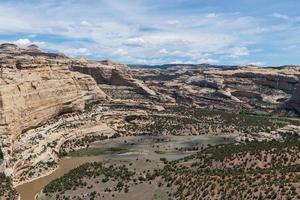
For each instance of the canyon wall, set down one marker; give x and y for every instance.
(36, 86)
(249, 88)
(111, 73)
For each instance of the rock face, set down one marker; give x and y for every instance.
(249, 88)
(108, 72)
(276, 78)
(208, 82)
(247, 94)
(36, 86)
(277, 83)
(294, 102)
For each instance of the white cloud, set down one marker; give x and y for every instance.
(258, 63)
(119, 52)
(136, 31)
(77, 51)
(211, 15)
(238, 52)
(85, 23)
(173, 22)
(163, 51)
(280, 16)
(207, 61)
(138, 42)
(23, 42)
(292, 47)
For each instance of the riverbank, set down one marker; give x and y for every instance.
(138, 147)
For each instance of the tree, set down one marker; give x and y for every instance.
(1, 154)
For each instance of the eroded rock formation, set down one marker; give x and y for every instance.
(108, 72)
(36, 86)
(294, 102)
(240, 88)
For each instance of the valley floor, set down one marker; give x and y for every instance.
(254, 170)
(128, 131)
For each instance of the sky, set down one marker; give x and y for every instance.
(231, 32)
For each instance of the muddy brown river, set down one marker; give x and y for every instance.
(170, 147)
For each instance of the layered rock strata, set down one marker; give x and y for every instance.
(239, 88)
(37, 86)
(108, 72)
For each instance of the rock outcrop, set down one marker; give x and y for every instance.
(36, 86)
(294, 102)
(208, 82)
(108, 72)
(249, 88)
(274, 78)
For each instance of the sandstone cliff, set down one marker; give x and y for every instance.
(36, 86)
(279, 86)
(239, 88)
(294, 102)
(108, 72)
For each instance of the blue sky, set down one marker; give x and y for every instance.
(239, 32)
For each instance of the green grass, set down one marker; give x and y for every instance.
(95, 151)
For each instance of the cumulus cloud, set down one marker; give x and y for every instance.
(211, 15)
(280, 16)
(135, 31)
(135, 42)
(24, 42)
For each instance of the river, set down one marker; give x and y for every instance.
(150, 147)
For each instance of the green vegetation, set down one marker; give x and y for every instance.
(97, 172)
(6, 188)
(221, 152)
(265, 114)
(265, 170)
(252, 170)
(72, 145)
(193, 121)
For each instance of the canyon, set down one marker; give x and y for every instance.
(52, 105)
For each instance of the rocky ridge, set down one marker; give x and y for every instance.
(249, 88)
(36, 86)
